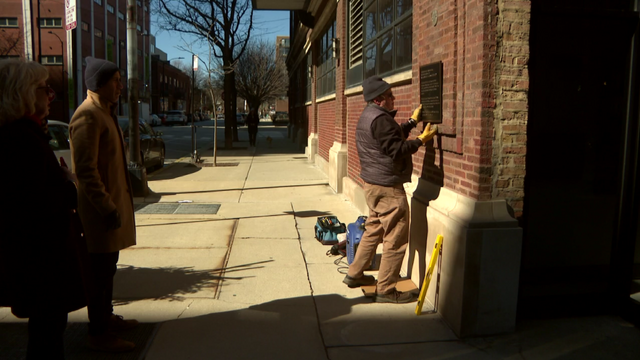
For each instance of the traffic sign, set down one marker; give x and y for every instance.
(70, 22)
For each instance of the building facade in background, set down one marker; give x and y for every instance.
(171, 87)
(538, 209)
(101, 32)
(282, 51)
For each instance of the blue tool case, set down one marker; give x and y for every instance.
(354, 234)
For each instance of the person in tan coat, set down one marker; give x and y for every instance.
(105, 200)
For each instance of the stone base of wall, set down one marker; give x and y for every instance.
(337, 165)
(312, 147)
(478, 288)
(354, 193)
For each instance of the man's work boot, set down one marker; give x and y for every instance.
(118, 323)
(364, 280)
(396, 297)
(108, 342)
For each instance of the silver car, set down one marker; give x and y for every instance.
(176, 116)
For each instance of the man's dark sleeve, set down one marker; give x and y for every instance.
(391, 138)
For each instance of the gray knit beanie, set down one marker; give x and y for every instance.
(374, 86)
(98, 73)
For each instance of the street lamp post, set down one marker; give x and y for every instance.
(164, 82)
(65, 105)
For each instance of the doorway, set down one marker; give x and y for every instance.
(578, 189)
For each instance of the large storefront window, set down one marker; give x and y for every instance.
(380, 38)
(326, 71)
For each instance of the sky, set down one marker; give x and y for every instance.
(267, 25)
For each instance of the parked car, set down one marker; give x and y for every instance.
(59, 142)
(152, 150)
(155, 120)
(220, 117)
(280, 116)
(176, 116)
(240, 120)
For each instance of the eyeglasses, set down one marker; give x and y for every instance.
(50, 92)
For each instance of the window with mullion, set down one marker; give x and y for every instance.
(386, 37)
(326, 64)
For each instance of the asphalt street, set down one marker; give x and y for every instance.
(177, 138)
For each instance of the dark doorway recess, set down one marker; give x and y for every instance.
(581, 207)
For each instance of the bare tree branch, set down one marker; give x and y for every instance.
(10, 44)
(226, 26)
(260, 75)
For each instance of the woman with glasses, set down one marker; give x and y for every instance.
(41, 248)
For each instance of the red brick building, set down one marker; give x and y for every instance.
(171, 87)
(532, 177)
(100, 32)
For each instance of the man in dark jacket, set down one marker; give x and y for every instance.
(385, 162)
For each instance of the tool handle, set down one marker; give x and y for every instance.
(428, 275)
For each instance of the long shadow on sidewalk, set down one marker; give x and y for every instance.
(171, 283)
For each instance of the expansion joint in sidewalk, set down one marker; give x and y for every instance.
(226, 258)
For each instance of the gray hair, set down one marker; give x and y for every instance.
(19, 80)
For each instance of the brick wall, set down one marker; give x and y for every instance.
(511, 110)
(326, 128)
(341, 76)
(464, 40)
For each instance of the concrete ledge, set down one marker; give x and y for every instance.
(312, 147)
(337, 165)
(354, 193)
(478, 289)
(322, 164)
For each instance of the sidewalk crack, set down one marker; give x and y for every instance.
(313, 298)
(185, 309)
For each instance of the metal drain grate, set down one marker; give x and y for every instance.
(159, 208)
(230, 164)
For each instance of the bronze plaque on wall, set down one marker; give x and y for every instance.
(431, 92)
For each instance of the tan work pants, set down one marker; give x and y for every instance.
(388, 222)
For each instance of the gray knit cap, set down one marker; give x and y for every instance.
(98, 72)
(374, 86)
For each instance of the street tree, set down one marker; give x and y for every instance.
(226, 26)
(10, 43)
(260, 74)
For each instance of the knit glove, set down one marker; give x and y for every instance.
(428, 133)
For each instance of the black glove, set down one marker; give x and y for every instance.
(112, 221)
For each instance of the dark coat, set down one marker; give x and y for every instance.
(252, 120)
(42, 250)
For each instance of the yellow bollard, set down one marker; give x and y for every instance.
(427, 277)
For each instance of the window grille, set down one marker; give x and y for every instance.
(355, 32)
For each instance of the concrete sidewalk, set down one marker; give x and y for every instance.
(252, 282)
